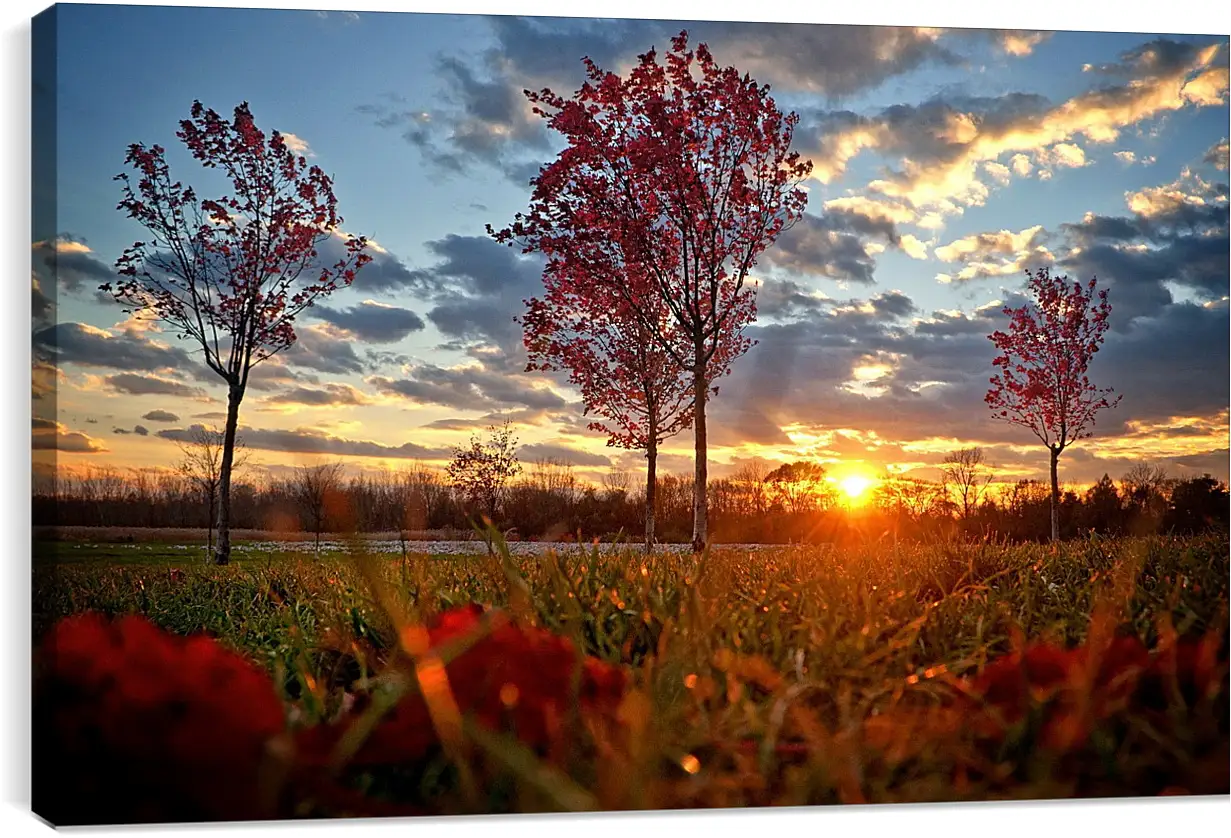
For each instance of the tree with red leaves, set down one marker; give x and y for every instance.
(231, 273)
(673, 181)
(1041, 384)
(623, 375)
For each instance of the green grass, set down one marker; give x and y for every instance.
(727, 649)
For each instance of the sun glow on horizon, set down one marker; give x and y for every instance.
(855, 487)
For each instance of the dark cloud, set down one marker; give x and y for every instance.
(78, 343)
(332, 394)
(485, 119)
(1178, 234)
(139, 430)
(316, 349)
(467, 388)
(834, 246)
(135, 384)
(371, 322)
(68, 265)
(160, 416)
(52, 436)
(1172, 364)
(41, 306)
(384, 273)
(562, 453)
(305, 441)
(523, 416)
(479, 287)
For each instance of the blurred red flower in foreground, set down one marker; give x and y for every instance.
(512, 678)
(135, 725)
(132, 724)
(1074, 689)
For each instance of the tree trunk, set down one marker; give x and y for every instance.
(222, 553)
(1055, 496)
(699, 517)
(209, 522)
(651, 486)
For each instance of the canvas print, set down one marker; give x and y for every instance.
(446, 415)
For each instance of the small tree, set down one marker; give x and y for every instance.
(481, 470)
(315, 489)
(623, 375)
(673, 181)
(201, 465)
(226, 272)
(967, 476)
(1045, 355)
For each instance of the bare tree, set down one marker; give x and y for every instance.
(201, 465)
(966, 475)
(617, 482)
(314, 488)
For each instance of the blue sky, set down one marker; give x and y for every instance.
(946, 162)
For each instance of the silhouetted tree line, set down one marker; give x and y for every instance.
(791, 504)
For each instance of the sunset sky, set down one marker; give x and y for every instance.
(945, 162)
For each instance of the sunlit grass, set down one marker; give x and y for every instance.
(792, 676)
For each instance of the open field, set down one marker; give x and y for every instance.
(785, 676)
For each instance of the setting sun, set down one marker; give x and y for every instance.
(855, 486)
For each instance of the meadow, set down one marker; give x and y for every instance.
(786, 676)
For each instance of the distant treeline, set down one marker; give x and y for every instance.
(547, 502)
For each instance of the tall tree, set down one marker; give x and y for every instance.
(673, 181)
(231, 273)
(624, 377)
(1044, 357)
(201, 464)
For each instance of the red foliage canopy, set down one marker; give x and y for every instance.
(673, 182)
(226, 271)
(1042, 383)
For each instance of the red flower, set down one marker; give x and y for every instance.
(512, 678)
(1077, 688)
(132, 724)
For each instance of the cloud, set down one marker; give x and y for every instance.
(41, 306)
(317, 348)
(1216, 156)
(331, 395)
(383, 274)
(941, 143)
(562, 453)
(160, 416)
(139, 430)
(85, 345)
(1128, 158)
(466, 388)
(1020, 43)
(135, 384)
(371, 322)
(995, 254)
(297, 145)
(49, 435)
(68, 264)
(478, 287)
(308, 441)
(842, 244)
(1176, 234)
(486, 120)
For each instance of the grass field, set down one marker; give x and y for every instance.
(784, 677)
